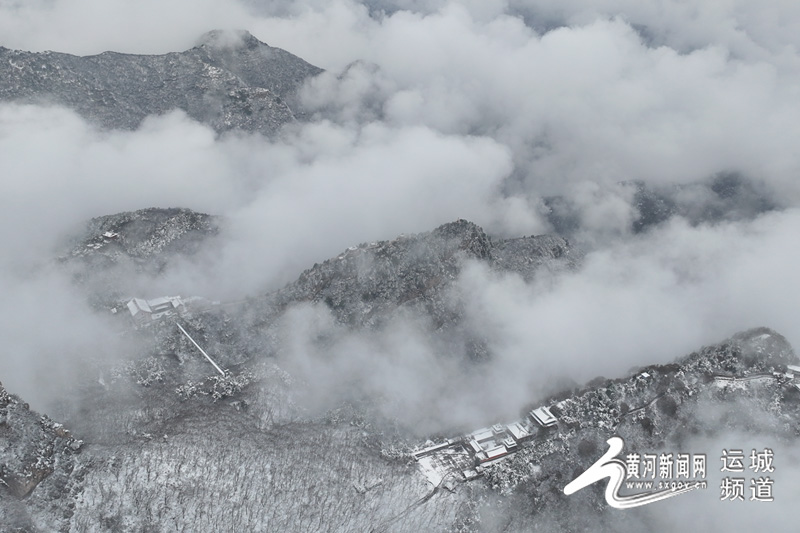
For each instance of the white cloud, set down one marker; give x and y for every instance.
(457, 109)
(85, 27)
(641, 302)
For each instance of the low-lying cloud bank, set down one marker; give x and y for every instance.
(644, 301)
(429, 112)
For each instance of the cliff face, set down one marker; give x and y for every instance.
(230, 80)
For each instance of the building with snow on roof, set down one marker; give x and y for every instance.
(145, 312)
(543, 417)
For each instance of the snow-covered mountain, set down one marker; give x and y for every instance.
(159, 442)
(283, 411)
(229, 80)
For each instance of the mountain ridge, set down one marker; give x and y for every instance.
(105, 487)
(229, 80)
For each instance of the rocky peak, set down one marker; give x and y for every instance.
(113, 247)
(229, 40)
(469, 237)
(144, 234)
(366, 284)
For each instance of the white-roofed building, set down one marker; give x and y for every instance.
(518, 432)
(544, 417)
(474, 446)
(483, 435)
(496, 453)
(144, 312)
(140, 311)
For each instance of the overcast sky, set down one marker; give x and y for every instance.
(472, 109)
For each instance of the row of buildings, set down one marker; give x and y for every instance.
(468, 455)
(491, 444)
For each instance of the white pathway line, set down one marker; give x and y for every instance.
(202, 351)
